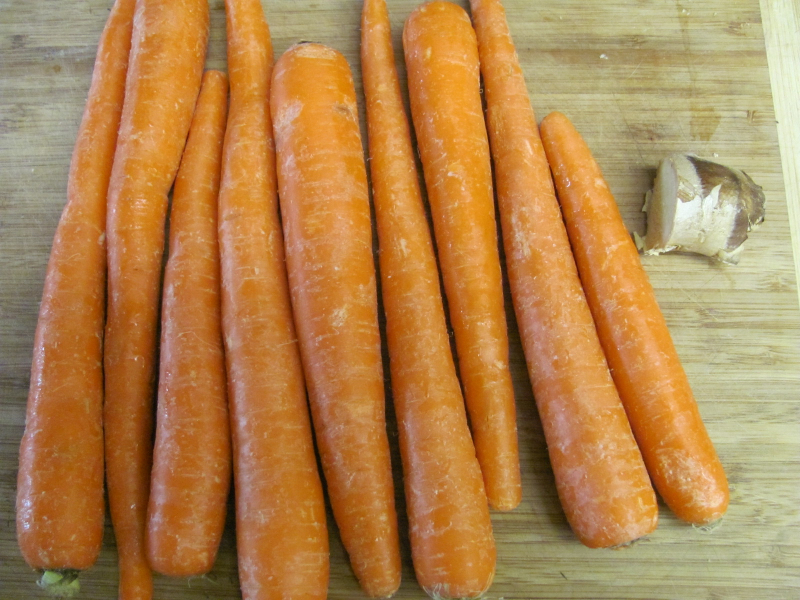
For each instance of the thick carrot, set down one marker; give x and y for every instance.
(451, 533)
(166, 65)
(281, 532)
(324, 199)
(600, 476)
(60, 504)
(192, 454)
(647, 371)
(444, 85)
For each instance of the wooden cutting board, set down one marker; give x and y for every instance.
(640, 79)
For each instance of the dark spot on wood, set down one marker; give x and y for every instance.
(738, 28)
(18, 41)
(650, 132)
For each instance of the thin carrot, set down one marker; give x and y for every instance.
(444, 85)
(192, 454)
(326, 218)
(600, 476)
(451, 532)
(60, 504)
(281, 532)
(166, 65)
(647, 371)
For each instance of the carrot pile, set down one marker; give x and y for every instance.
(166, 63)
(651, 381)
(452, 545)
(60, 504)
(270, 292)
(191, 456)
(444, 87)
(324, 199)
(281, 533)
(601, 480)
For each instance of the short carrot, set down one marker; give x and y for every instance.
(281, 530)
(60, 504)
(653, 386)
(444, 86)
(324, 198)
(165, 68)
(451, 533)
(192, 454)
(600, 476)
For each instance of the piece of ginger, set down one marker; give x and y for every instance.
(702, 207)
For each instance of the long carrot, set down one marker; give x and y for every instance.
(192, 454)
(281, 532)
(60, 505)
(166, 64)
(451, 532)
(647, 371)
(326, 218)
(444, 85)
(600, 476)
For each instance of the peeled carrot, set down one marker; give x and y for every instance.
(451, 532)
(444, 86)
(600, 476)
(60, 504)
(324, 199)
(166, 65)
(192, 454)
(281, 531)
(647, 371)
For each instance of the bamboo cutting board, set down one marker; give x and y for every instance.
(640, 79)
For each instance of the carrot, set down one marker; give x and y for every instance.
(451, 533)
(166, 64)
(191, 458)
(281, 531)
(600, 476)
(647, 371)
(60, 504)
(324, 199)
(444, 87)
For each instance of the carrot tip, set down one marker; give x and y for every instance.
(708, 527)
(60, 583)
(628, 544)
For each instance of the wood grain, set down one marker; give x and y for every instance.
(782, 35)
(640, 79)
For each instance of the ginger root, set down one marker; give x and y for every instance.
(702, 207)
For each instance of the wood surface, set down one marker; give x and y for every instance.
(782, 36)
(640, 79)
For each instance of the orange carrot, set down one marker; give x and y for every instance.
(647, 371)
(600, 476)
(444, 85)
(191, 458)
(60, 505)
(322, 184)
(166, 65)
(281, 532)
(451, 532)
